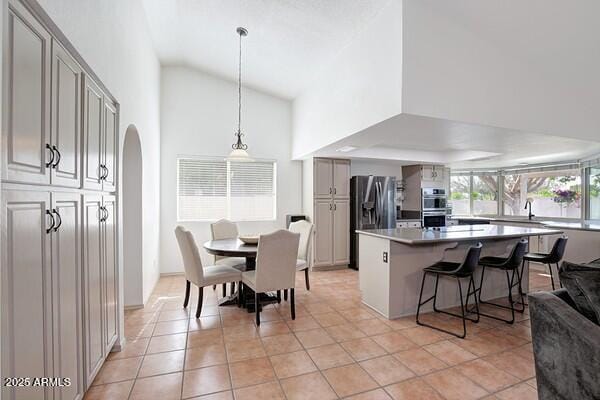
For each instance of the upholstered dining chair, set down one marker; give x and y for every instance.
(275, 267)
(225, 229)
(304, 261)
(195, 273)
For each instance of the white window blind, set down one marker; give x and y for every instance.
(209, 189)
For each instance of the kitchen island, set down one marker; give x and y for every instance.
(391, 263)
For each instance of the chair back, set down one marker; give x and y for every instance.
(471, 260)
(276, 261)
(223, 229)
(305, 229)
(558, 250)
(192, 263)
(516, 255)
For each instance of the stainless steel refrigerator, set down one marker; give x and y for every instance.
(372, 206)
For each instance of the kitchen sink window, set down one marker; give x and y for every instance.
(474, 194)
(460, 194)
(554, 194)
(593, 178)
(209, 189)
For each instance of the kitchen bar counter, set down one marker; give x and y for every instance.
(576, 225)
(391, 263)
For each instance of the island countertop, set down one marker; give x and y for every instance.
(457, 233)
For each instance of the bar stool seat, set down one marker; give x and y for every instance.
(554, 257)
(447, 268)
(495, 262)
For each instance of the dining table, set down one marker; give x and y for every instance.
(237, 248)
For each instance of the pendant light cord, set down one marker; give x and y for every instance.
(240, 88)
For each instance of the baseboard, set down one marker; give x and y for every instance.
(133, 307)
(171, 274)
(329, 267)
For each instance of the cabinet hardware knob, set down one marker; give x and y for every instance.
(334, 190)
(48, 213)
(49, 163)
(330, 191)
(55, 149)
(59, 220)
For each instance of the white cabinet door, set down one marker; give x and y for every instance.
(110, 273)
(67, 307)
(341, 179)
(26, 98)
(323, 232)
(26, 291)
(341, 232)
(92, 286)
(323, 178)
(93, 105)
(66, 118)
(109, 151)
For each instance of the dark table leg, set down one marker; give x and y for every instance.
(233, 299)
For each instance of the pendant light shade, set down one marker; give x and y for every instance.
(239, 152)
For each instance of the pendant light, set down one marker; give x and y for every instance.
(239, 152)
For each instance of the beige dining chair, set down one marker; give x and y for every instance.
(304, 261)
(195, 273)
(275, 267)
(225, 229)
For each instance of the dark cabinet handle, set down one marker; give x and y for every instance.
(107, 172)
(104, 173)
(105, 213)
(48, 213)
(49, 163)
(59, 219)
(55, 149)
(334, 190)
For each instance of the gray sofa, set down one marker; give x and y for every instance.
(566, 348)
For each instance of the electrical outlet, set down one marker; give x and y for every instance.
(385, 257)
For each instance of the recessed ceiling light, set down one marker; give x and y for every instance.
(346, 149)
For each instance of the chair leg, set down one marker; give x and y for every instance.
(214, 287)
(559, 282)
(510, 283)
(285, 294)
(551, 276)
(232, 289)
(257, 308)
(239, 299)
(224, 288)
(437, 280)
(462, 307)
(292, 303)
(187, 294)
(200, 296)
(278, 296)
(306, 279)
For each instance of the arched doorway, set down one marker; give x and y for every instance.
(132, 219)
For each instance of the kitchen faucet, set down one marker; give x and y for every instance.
(528, 203)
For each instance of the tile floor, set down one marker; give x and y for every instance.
(336, 348)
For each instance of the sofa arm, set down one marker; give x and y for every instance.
(566, 348)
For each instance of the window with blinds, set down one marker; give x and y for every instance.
(209, 189)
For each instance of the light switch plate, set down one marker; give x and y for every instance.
(385, 256)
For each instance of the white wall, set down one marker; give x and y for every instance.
(199, 117)
(361, 87)
(113, 38)
(381, 168)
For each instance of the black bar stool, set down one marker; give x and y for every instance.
(458, 271)
(507, 264)
(554, 257)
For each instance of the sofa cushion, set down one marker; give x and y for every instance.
(583, 284)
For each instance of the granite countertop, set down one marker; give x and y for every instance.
(575, 225)
(457, 233)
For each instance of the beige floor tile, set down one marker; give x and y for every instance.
(394, 341)
(357, 314)
(486, 375)
(240, 332)
(264, 391)
(386, 370)
(132, 348)
(280, 344)
(292, 364)
(514, 364)
(318, 308)
(164, 387)
(330, 356)
(401, 323)
(244, 350)
(111, 391)
(413, 389)
(205, 356)
(330, 319)
(521, 391)
(208, 337)
(273, 328)
(251, 372)
(207, 380)
(212, 322)
(423, 336)
(170, 327)
(420, 361)
(226, 395)
(372, 327)
(344, 332)
(314, 338)
(454, 386)
(139, 331)
(349, 380)
(363, 349)
(162, 363)
(172, 315)
(449, 352)
(303, 324)
(377, 394)
(307, 387)
(160, 344)
(118, 370)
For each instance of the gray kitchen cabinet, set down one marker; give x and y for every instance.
(323, 178)
(110, 272)
(109, 146)
(323, 232)
(67, 301)
(26, 101)
(26, 291)
(93, 315)
(341, 179)
(341, 232)
(66, 118)
(93, 107)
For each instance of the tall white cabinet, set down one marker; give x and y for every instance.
(329, 195)
(60, 275)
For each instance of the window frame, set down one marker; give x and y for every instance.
(228, 190)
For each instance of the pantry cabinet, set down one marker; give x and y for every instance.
(93, 108)
(109, 271)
